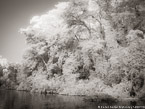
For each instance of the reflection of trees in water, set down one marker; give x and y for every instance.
(9, 101)
(133, 103)
(25, 100)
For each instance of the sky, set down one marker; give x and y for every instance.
(16, 14)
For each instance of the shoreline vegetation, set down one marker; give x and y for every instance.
(83, 47)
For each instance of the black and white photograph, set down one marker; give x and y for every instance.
(72, 54)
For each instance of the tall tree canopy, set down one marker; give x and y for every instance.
(83, 47)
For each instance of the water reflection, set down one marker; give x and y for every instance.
(25, 100)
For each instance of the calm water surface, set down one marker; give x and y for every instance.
(26, 100)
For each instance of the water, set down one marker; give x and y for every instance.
(26, 100)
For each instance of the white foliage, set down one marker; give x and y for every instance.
(3, 61)
(133, 35)
(93, 6)
(35, 19)
(49, 24)
(71, 65)
(91, 54)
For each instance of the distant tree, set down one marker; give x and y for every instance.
(1, 71)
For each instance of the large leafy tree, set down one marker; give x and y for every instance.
(82, 37)
(44, 37)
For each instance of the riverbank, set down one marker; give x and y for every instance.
(69, 85)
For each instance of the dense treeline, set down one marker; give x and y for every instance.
(8, 74)
(85, 47)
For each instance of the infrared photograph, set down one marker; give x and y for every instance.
(72, 54)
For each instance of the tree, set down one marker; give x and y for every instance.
(129, 15)
(81, 19)
(1, 71)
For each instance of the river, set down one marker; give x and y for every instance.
(24, 100)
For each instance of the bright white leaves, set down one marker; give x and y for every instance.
(93, 6)
(3, 61)
(56, 32)
(48, 24)
(134, 35)
(134, 54)
(51, 22)
(44, 31)
(35, 19)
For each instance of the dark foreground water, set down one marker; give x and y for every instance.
(26, 100)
